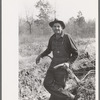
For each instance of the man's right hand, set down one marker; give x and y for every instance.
(38, 59)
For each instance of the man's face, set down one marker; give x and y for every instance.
(57, 28)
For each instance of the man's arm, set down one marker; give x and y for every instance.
(45, 53)
(73, 50)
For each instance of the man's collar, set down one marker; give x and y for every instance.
(62, 34)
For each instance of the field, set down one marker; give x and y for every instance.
(31, 76)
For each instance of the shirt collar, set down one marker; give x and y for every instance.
(61, 35)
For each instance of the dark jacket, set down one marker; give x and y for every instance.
(69, 45)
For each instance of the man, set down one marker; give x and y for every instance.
(64, 52)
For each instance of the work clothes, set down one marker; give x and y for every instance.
(69, 46)
(64, 50)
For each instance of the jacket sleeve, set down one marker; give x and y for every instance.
(73, 50)
(48, 50)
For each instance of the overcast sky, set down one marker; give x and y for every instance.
(65, 9)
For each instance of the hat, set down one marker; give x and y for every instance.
(57, 21)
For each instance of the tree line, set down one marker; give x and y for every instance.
(39, 27)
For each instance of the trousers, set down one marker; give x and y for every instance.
(55, 79)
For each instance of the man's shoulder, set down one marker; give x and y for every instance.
(67, 35)
(52, 36)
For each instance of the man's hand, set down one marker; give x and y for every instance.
(38, 59)
(66, 65)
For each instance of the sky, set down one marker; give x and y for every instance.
(65, 9)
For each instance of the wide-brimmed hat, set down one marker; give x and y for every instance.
(57, 21)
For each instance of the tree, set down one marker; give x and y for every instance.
(29, 21)
(78, 27)
(45, 10)
(80, 20)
